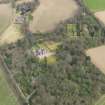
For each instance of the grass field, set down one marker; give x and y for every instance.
(11, 35)
(95, 5)
(6, 95)
(101, 101)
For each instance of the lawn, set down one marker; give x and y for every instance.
(95, 5)
(11, 35)
(71, 29)
(51, 59)
(6, 95)
(49, 46)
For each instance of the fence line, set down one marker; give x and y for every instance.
(87, 11)
(12, 82)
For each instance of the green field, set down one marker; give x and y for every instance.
(95, 5)
(101, 101)
(6, 95)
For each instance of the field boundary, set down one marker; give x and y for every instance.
(101, 101)
(86, 10)
(23, 100)
(12, 82)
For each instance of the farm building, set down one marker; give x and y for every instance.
(23, 8)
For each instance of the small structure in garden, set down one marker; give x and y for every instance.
(42, 53)
(45, 49)
(24, 8)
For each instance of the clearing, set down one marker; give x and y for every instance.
(6, 95)
(52, 12)
(97, 56)
(11, 35)
(50, 48)
(6, 14)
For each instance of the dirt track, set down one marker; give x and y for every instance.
(51, 12)
(98, 57)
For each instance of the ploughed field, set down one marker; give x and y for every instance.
(5, 16)
(51, 12)
(101, 16)
(97, 56)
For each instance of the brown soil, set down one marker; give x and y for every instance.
(97, 56)
(6, 14)
(101, 16)
(52, 12)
